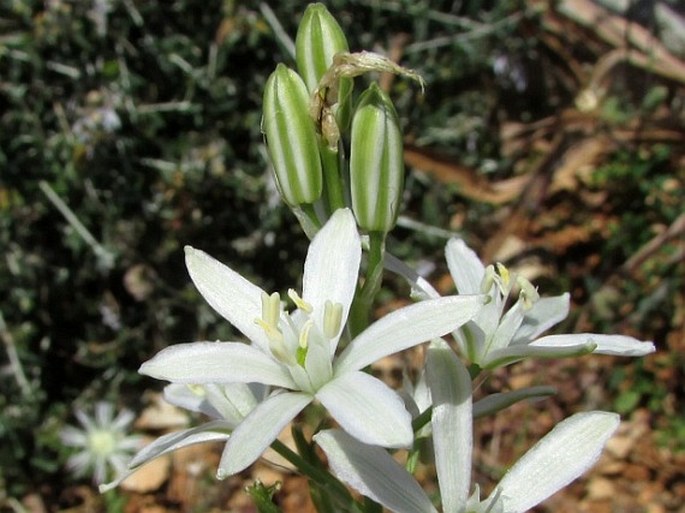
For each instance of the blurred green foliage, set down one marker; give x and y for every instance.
(143, 119)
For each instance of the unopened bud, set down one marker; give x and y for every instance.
(291, 137)
(319, 38)
(376, 161)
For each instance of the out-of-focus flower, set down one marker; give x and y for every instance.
(494, 338)
(103, 442)
(227, 406)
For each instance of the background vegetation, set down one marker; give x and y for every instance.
(131, 128)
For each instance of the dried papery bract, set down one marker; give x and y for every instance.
(348, 65)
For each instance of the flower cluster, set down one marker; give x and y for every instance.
(319, 345)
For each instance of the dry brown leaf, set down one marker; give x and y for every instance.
(470, 183)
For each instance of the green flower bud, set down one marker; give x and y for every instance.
(376, 161)
(319, 38)
(291, 137)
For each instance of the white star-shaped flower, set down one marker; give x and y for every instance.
(495, 337)
(296, 352)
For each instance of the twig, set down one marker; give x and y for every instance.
(106, 257)
(677, 229)
(481, 30)
(13, 357)
(281, 35)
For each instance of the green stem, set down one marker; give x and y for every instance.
(360, 315)
(319, 476)
(332, 180)
(423, 419)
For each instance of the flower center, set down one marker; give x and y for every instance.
(101, 442)
(289, 336)
(502, 278)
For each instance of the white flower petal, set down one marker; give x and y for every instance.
(122, 420)
(367, 409)
(545, 313)
(407, 327)
(372, 472)
(216, 362)
(570, 449)
(85, 420)
(332, 266)
(104, 412)
(232, 296)
(259, 429)
(511, 354)
(80, 463)
(618, 345)
(215, 431)
(508, 325)
(230, 402)
(452, 424)
(420, 288)
(182, 396)
(72, 437)
(318, 361)
(465, 267)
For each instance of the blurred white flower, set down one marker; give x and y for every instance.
(103, 442)
(226, 405)
(498, 336)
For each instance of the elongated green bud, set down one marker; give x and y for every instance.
(376, 162)
(291, 137)
(319, 38)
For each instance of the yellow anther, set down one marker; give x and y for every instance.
(488, 279)
(271, 309)
(529, 294)
(198, 390)
(299, 302)
(304, 334)
(272, 332)
(332, 318)
(301, 353)
(504, 274)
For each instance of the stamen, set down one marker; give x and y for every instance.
(299, 302)
(271, 308)
(272, 332)
(304, 343)
(529, 294)
(198, 390)
(504, 273)
(332, 318)
(304, 334)
(488, 279)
